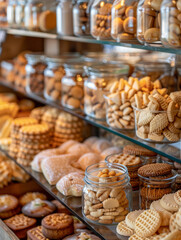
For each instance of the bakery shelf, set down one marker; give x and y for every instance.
(154, 47)
(171, 151)
(6, 233)
(73, 204)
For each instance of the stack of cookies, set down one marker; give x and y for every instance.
(132, 162)
(68, 127)
(38, 112)
(156, 180)
(33, 139)
(15, 128)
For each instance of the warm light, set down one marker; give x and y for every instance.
(102, 4)
(79, 78)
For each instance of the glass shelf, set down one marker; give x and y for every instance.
(135, 44)
(171, 151)
(74, 204)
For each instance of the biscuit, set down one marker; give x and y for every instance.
(123, 229)
(175, 235)
(171, 111)
(177, 197)
(137, 150)
(155, 169)
(159, 122)
(170, 136)
(176, 96)
(131, 218)
(110, 203)
(168, 203)
(173, 226)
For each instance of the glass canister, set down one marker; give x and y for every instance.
(81, 18)
(148, 21)
(3, 13)
(170, 23)
(99, 81)
(73, 85)
(11, 13)
(124, 22)
(156, 70)
(19, 13)
(64, 12)
(100, 20)
(35, 73)
(53, 76)
(107, 188)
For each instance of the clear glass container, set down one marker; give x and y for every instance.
(20, 14)
(81, 18)
(156, 70)
(153, 188)
(152, 133)
(100, 20)
(103, 184)
(3, 13)
(64, 12)
(7, 71)
(148, 21)
(73, 85)
(99, 81)
(35, 74)
(124, 22)
(11, 13)
(170, 23)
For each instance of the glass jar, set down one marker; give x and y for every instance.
(99, 81)
(100, 20)
(81, 18)
(64, 12)
(11, 13)
(107, 188)
(73, 86)
(35, 74)
(3, 13)
(156, 70)
(53, 75)
(148, 21)
(124, 22)
(7, 71)
(154, 188)
(19, 13)
(170, 27)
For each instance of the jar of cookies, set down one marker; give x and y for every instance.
(156, 180)
(81, 18)
(100, 21)
(148, 21)
(3, 13)
(53, 76)
(35, 73)
(107, 194)
(73, 85)
(124, 22)
(11, 13)
(100, 79)
(19, 13)
(170, 27)
(156, 70)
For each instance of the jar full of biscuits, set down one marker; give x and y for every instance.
(148, 21)
(101, 19)
(81, 18)
(53, 76)
(19, 13)
(171, 20)
(11, 13)
(107, 194)
(35, 73)
(124, 22)
(100, 79)
(73, 85)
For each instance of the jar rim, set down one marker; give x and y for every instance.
(142, 109)
(149, 65)
(35, 57)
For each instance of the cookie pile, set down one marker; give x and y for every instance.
(160, 119)
(38, 112)
(17, 124)
(119, 112)
(68, 127)
(161, 222)
(33, 139)
(106, 205)
(156, 180)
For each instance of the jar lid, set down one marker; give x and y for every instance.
(152, 66)
(98, 56)
(35, 58)
(108, 70)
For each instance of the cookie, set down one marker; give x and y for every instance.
(173, 225)
(177, 197)
(131, 218)
(155, 169)
(168, 203)
(138, 150)
(123, 229)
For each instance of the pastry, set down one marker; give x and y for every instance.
(8, 206)
(79, 149)
(30, 196)
(100, 145)
(88, 159)
(71, 184)
(20, 224)
(57, 226)
(66, 145)
(90, 141)
(38, 208)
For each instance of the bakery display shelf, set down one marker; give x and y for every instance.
(6, 233)
(73, 204)
(154, 47)
(171, 151)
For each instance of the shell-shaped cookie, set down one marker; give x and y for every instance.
(124, 230)
(159, 122)
(172, 137)
(145, 117)
(176, 96)
(171, 111)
